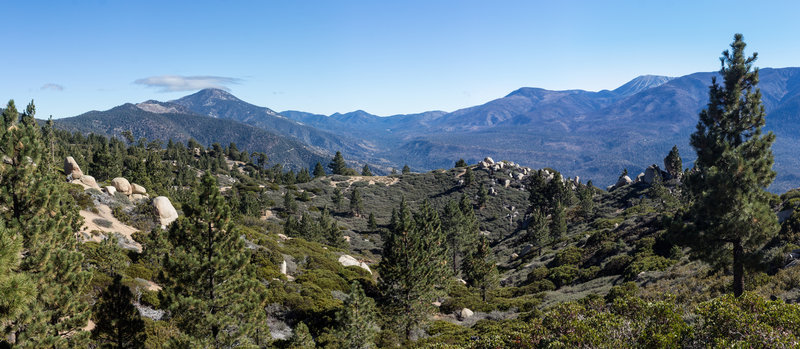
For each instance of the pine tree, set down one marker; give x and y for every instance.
(372, 224)
(337, 164)
(461, 230)
(365, 171)
(16, 289)
(729, 201)
(469, 177)
(406, 169)
(480, 270)
(356, 204)
(413, 266)
(537, 229)
(483, 196)
(461, 163)
(39, 212)
(357, 320)
(289, 203)
(319, 171)
(338, 198)
(673, 163)
(586, 196)
(213, 296)
(301, 339)
(303, 176)
(558, 223)
(118, 324)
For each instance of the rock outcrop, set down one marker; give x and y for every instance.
(71, 168)
(122, 185)
(464, 313)
(89, 181)
(166, 212)
(138, 189)
(110, 190)
(348, 260)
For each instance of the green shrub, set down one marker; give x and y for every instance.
(138, 270)
(570, 255)
(105, 223)
(616, 265)
(563, 275)
(748, 321)
(150, 298)
(628, 289)
(648, 263)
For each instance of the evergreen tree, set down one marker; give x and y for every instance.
(412, 267)
(537, 229)
(372, 224)
(406, 169)
(480, 270)
(16, 289)
(319, 171)
(303, 176)
(586, 196)
(461, 163)
(461, 230)
(301, 339)
(366, 171)
(38, 211)
(673, 163)
(558, 223)
(394, 171)
(213, 296)
(289, 203)
(330, 231)
(118, 324)
(469, 177)
(356, 204)
(483, 196)
(356, 321)
(337, 164)
(338, 198)
(729, 201)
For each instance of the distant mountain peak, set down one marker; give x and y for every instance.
(211, 95)
(641, 83)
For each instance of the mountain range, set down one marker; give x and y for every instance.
(594, 135)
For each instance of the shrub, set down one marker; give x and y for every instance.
(563, 275)
(105, 223)
(617, 264)
(748, 321)
(648, 263)
(628, 289)
(570, 255)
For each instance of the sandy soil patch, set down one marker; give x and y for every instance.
(104, 212)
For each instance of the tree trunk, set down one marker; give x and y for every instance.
(738, 269)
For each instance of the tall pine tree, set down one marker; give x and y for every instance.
(729, 201)
(357, 321)
(40, 212)
(214, 295)
(413, 266)
(118, 322)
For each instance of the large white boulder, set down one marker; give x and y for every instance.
(71, 168)
(122, 185)
(348, 260)
(138, 189)
(110, 190)
(464, 313)
(89, 181)
(166, 212)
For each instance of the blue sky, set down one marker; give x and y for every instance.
(385, 57)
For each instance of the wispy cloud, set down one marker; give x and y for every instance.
(172, 83)
(52, 86)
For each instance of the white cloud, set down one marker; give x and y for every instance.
(51, 86)
(172, 83)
